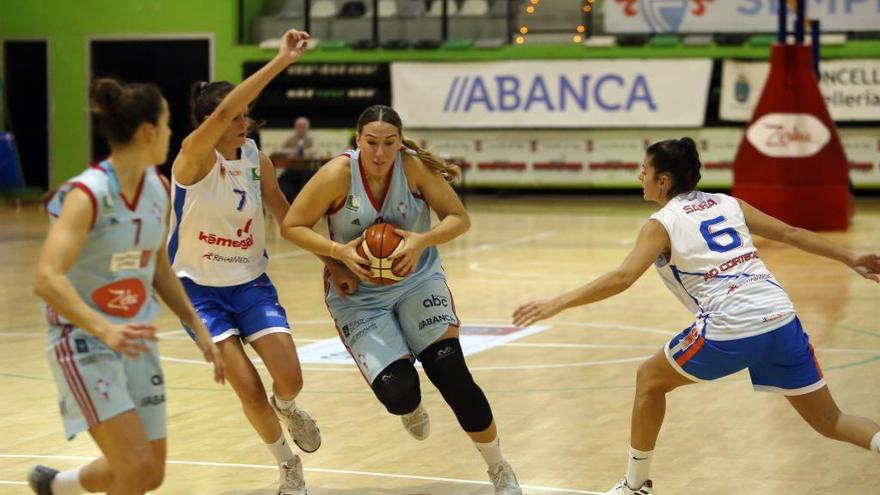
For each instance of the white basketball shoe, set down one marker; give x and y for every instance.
(621, 488)
(503, 479)
(417, 423)
(302, 428)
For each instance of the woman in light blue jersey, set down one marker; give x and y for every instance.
(390, 179)
(221, 183)
(701, 246)
(102, 265)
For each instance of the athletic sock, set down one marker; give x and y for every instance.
(491, 451)
(637, 472)
(285, 405)
(67, 483)
(280, 450)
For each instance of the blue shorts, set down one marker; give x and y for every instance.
(249, 310)
(780, 361)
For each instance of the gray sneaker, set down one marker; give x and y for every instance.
(417, 423)
(302, 428)
(502, 478)
(40, 479)
(291, 481)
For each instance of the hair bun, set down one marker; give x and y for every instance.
(106, 96)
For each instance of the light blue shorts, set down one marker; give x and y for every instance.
(379, 334)
(96, 383)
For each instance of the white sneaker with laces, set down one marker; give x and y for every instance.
(291, 481)
(417, 423)
(621, 488)
(302, 428)
(503, 479)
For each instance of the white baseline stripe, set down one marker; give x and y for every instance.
(314, 470)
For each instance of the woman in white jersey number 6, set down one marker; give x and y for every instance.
(701, 245)
(386, 327)
(217, 248)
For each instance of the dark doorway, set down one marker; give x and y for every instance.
(26, 74)
(173, 64)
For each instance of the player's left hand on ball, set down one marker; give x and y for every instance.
(534, 311)
(868, 266)
(413, 245)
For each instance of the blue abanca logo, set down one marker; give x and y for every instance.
(514, 93)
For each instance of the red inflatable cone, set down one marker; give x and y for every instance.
(791, 163)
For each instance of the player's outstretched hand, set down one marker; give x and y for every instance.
(344, 281)
(293, 44)
(867, 265)
(348, 255)
(127, 337)
(534, 311)
(413, 245)
(212, 355)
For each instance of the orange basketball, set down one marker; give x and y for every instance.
(380, 243)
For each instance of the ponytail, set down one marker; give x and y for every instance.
(433, 162)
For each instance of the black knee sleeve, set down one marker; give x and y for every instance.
(397, 387)
(444, 364)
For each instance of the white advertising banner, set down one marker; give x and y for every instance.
(533, 94)
(751, 16)
(851, 88)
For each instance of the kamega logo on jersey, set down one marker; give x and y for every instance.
(241, 243)
(788, 135)
(552, 93)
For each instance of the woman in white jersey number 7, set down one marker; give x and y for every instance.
(217, 248)
(701, 245)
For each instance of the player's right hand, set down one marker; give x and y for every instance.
(127, 337)
(293, 44)
(867, 265)
(344, 281)
(348, 255)
(212, 355)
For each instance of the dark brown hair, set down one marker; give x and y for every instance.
(680, 159)
(122, 108)
(384, 113)
(205, 97)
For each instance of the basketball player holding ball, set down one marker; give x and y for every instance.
(385, 326)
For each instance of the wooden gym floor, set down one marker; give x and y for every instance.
(561, 397)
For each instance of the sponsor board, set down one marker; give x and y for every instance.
(708, 16)
(851, 89)
(573, 94)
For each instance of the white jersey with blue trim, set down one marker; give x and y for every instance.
(217, 235)
(114, 270)
(400, 207)
(715, 270)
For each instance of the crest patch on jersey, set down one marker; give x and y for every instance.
(352, 203)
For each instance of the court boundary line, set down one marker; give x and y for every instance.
(315, 470)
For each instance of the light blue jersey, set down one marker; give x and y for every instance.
(114, 271)
(399, 206)
(114, 275)
(380, 324)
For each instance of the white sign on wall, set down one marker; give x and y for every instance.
(851, 88)
(708, 16)
(573, 94)
(788, 135)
